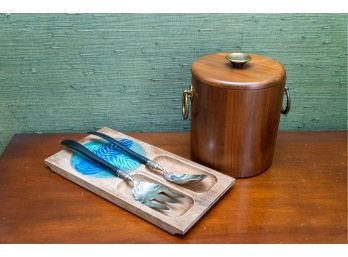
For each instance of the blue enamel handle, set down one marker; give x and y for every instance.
(90, 155)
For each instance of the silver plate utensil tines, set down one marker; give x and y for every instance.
(168, 175)
(151, 194)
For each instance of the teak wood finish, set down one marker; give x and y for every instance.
(198, 197)
(235, 113)
(302, 198)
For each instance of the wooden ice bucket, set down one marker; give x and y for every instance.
(236, 104)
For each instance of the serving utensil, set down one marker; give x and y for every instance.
(153, 195)
(169, 176)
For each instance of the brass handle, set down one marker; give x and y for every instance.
(288, 101)
(187, 94)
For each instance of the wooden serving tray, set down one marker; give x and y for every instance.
(198, 198)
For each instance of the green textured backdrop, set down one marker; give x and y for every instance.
(77, 72)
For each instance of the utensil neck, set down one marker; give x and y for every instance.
(154, 165)
(125, 176)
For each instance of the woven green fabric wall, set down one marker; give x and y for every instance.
(78, 72)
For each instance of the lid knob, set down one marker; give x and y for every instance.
(238, 59)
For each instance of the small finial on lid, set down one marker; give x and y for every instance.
(238, 59)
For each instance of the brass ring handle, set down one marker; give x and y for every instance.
(288, 101)
(187, 94)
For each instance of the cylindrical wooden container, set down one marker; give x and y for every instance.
(236, 105)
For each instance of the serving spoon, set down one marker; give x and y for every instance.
(169, 176)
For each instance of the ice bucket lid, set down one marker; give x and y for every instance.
(238, 71)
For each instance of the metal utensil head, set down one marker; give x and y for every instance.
(154, 195)
(184, 178)
(173, 177)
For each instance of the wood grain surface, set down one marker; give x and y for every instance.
(74, 72)
(302, 198)
(259, 73)
(235, 113)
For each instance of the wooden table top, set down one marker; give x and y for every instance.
(302, 198)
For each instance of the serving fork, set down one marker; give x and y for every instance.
(153, 195)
